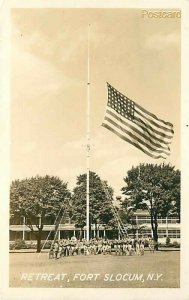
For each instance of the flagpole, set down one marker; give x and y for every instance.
(88, 134)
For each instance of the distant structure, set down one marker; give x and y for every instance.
(139, 225)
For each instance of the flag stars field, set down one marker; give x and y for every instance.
(137, 126)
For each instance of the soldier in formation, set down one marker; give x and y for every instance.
(125, 247)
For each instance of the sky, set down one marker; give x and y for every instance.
(138, 56)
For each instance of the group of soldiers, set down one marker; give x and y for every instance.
(129, 246)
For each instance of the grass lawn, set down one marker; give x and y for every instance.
(160, 269)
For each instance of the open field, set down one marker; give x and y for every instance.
(159, 269)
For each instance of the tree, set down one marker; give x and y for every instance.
(126, 214)
(100, 206)
(37, 198)
(155, 188)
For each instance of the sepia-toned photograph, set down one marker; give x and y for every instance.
(93, 150)
(95, 111)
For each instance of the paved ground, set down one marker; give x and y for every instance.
(159, 269)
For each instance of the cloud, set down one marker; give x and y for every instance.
(36, 75)
(160, 41)
(60, 48)
(37, 62)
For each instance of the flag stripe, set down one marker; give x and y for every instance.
(150, 126)
(132, 143)
(165, 136)
(146, 129)
(136, 125)
(154, 123)
(140, 107)
(152, 115)
(152, 140)
(135, 137)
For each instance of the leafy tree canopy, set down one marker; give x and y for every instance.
(37, 196)
(100, 206)
(153, 186)
(35, 199)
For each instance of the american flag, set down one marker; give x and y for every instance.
(136, 125)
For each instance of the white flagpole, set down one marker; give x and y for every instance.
(88, 134)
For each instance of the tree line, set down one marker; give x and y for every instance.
(151, 187)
